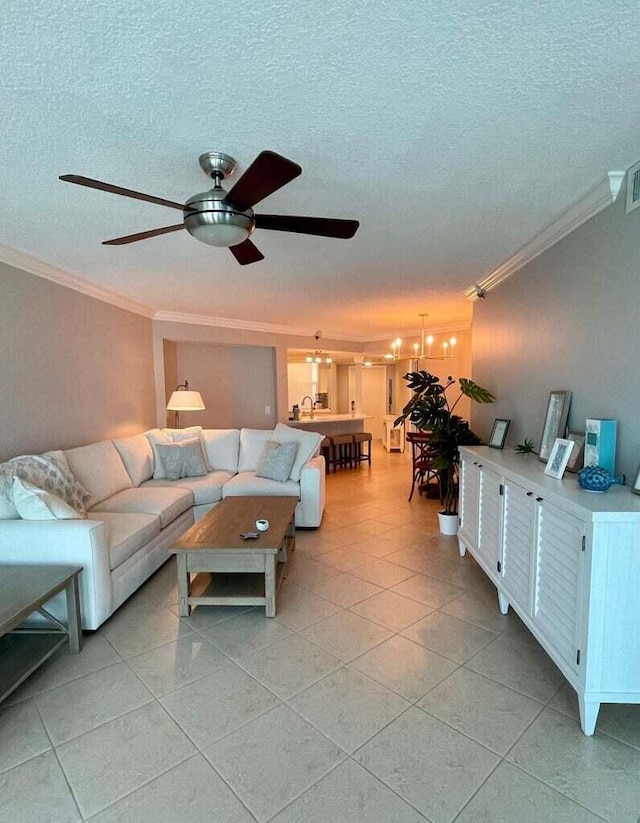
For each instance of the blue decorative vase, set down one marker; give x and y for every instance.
(597, 479)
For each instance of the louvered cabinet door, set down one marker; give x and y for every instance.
(519, 520)
(468, 503)
(558, 580)
(489, 520)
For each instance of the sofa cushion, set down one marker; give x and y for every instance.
(126, 533)
(137, 456)
(100, 470)
(276, 460)
(182, 459)
(206, 489)
(166, 503)
(247, 483)
(223, 448)
(308, 445)
(251, 444)
(34, 503)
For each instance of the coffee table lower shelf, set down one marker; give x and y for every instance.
(205, 581)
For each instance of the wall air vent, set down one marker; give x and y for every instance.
(633, 188)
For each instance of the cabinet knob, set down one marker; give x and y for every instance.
(539, 499)
(529, 494)
(475, 462)
(479, 465)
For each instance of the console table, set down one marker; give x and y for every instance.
(24, 589)
(567, 561)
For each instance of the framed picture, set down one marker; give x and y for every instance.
(559, 457)
(576, 458)
(636, 484)
(498, 433)
(555, 421)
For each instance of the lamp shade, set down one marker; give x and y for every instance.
(183, 400)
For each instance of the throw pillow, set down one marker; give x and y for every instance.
(33, 503)
(308, 445)
(155, 438)
(72, 491)
(50, 472)
(178, 435)
(184, 459)
(276, 460)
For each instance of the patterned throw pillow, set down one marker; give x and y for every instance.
(48, 471)
(276, 460)
(33, 503)
(184, 459)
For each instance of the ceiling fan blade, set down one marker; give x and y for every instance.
(142, 235)
(137, 195)
(246, 253)
(268, 173)
(321, 226)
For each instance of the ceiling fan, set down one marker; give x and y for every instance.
(221, 218)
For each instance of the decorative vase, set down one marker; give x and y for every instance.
(597, 479)
(448, 523)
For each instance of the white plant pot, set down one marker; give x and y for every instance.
(448, 523)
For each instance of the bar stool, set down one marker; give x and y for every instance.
(358, 439)
(325, 450)
(342, 450)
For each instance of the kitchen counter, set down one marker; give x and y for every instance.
(331, 423)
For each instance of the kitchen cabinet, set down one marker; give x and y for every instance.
(566, 561)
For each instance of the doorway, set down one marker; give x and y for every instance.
(374, 397)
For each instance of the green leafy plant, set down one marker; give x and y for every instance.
(430, 409)
(526, 447)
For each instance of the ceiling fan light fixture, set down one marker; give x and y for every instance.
(216, 234)
(211, 220)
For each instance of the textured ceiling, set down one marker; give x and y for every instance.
(453, 130)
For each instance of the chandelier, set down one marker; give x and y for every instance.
(318, 357)
(426, 349)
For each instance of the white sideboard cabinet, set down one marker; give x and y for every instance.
(567, 561)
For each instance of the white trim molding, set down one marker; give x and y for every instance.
(603, 194)
(251, 325)
(32, 265)
(230, 323)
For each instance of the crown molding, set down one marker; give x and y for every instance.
(601, 195)
(230, 323)
(25, 262)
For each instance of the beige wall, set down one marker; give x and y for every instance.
(73, 369)
(236, 383)
(568, 320)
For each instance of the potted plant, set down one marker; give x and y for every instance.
(430, 409)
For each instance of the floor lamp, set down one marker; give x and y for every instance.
(183, 399)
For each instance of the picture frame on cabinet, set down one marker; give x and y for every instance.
(636, 484)
(498, 433)
(555, 421)
(576, 459)
(559, 457)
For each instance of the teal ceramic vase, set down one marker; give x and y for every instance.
(597, 479)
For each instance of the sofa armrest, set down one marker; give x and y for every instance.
(65, 542)
(312, 493)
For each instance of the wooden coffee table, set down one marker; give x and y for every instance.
(214, 545)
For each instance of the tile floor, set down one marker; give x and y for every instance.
(388, 689)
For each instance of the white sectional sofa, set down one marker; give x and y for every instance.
(132, 518)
